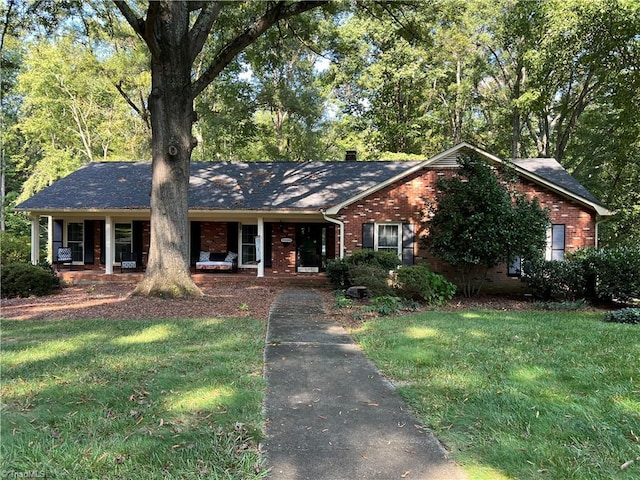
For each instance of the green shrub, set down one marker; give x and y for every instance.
(368, 268)
(417, 282)
(14, 248)
(624, 315)
(554, 280)
(385, 305)
(611, 273)
(25, 280)
(374, 277)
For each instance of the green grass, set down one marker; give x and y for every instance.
(132, 399)
(528, 395)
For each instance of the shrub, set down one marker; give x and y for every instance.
(624, 315)
(554, 280)
(374, 277)
(14, 248)
(25, 280)
(612, 273)
(417, 282)
(385, 305)
(368, 268)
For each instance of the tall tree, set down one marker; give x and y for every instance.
(175, 33)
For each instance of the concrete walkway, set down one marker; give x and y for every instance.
(330, 414)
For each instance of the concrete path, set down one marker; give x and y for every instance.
(330, 414)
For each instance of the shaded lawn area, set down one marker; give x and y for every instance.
(526, 395)
(132, 399)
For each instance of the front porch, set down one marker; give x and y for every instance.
(90, 277)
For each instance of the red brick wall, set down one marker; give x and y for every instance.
(283, 255)
(404, 202)
(213, 237)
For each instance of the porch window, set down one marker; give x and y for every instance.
(556, 242)
(388, 238)
(123, 240)
(75, 240)
(248, 245)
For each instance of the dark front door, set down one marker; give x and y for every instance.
(311, 247)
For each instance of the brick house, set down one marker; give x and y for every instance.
(290, 218)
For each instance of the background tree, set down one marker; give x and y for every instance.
(479, 222)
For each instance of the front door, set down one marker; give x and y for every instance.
(311, 250)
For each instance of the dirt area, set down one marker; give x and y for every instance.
(112, 301)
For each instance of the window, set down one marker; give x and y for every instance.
(248, 245)
(514, 269)
(75, 240)
(388, 238)
(556, 242)
(123, 240)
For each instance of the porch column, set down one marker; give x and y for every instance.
(260, 246)
(50, 239)
(35, 240)
(109, 252)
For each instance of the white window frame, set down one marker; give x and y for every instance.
(553, 251)
(242, 244)
(376, 238)
(79, 244)
(116, 242)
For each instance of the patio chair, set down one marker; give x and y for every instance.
(128, 261)
(64, 257)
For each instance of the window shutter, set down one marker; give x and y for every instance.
(58, 228)
(367, 235)
(408, 241)
(89, 242)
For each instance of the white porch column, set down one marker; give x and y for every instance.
(50, 240)
(260, 247)
(109, 246)
(35, 240)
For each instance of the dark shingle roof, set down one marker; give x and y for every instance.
(549, 169)
(219, 185)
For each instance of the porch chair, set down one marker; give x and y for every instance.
(64, 257)
(128, 261)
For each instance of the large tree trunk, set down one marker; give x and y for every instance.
(172, 115)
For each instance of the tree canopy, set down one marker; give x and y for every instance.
(291, 81)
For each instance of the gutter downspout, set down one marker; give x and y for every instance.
(341, 225)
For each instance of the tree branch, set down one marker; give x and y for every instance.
(136, 22)
(202, 27)
(279, 11)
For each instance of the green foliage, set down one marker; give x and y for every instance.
(624, 315)
(611, 273)
(418, 282)
(385, 305)
(479, 223)
(553, 280)
(341, 272)
(603, 275)
(372, 276)
(26, 280)
(342, 301)
(14, 248)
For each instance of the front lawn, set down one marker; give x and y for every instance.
(527, 395)
(132, 399)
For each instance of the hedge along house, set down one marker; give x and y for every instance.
(290, 218)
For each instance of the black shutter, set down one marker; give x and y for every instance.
(196, 228)
(408, 240)
(89, 242)
(367, 235)
(137, 228)
(232, 237)
(58, 229)
(267, 244)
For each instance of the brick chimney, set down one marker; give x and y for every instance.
(351, 156)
